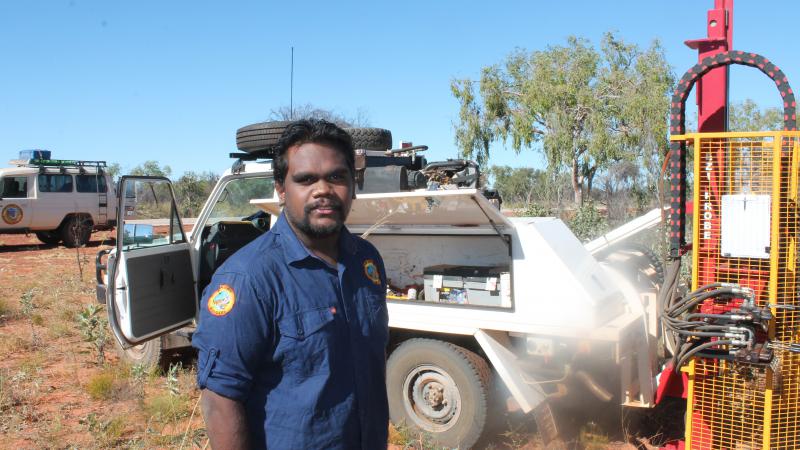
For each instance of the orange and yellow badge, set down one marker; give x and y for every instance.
(12, 214)
(221, 301)
(371, 271)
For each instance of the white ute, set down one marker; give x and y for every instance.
(481, 305)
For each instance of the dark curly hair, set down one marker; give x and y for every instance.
(312, 130)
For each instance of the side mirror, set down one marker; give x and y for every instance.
(137, 234)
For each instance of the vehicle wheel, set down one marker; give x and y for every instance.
(76, 230)
(260, 136)
(440, 389)
(371, 138)
(48, 237)
(147, 354)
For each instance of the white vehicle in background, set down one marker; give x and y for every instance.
(476, 299)
(58, 200)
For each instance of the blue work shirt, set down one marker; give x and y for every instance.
(300, 343)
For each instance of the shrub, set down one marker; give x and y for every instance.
(5, 308)
(588, 222)
(167, 407)
(537, 210)
(101, 386)
(107, 433)
(93, 328)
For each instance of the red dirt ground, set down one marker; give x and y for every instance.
(47, 369)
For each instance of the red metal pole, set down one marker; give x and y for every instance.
(712, 115)
(712, 89)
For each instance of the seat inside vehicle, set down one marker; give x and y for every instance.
(219, 242)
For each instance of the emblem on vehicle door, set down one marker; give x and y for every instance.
(12, 214)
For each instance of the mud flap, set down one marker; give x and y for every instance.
(495, 345)
(546, 423)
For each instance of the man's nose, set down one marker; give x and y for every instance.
(322, 187)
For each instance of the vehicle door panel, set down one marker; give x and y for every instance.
(160, 290)
(15, 202)
(153, 289)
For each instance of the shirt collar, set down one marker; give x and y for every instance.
(296, 251)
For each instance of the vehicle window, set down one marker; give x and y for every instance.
(90, 183)
(234, 203)
(153, 219)
(15, 187)
(55, 183)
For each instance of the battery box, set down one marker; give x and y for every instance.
(468, 285)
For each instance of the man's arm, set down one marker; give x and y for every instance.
(225, 422)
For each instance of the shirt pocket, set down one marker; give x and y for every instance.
(307, 338)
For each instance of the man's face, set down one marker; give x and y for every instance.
(318, 190)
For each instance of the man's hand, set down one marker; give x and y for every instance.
(225, 422)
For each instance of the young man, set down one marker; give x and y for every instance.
(293, 327)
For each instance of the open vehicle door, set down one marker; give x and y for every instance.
(151, 284)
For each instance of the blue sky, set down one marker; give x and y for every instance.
(130, 81)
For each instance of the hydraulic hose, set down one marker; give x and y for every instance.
(689, 302)
(699, 348)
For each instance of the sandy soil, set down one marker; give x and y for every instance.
(56, 393)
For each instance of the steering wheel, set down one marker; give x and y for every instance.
(260, 220)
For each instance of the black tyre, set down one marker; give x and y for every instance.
(260, 136)
(48, 237)
(371, 138)
(148, 354)
(440, 389)
(76, 230)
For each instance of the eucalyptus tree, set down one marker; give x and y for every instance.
(582, 107)
(749, 116)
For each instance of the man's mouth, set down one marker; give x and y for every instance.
(327, 209)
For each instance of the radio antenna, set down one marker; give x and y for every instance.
(291, 88)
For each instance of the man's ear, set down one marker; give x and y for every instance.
(281, 192)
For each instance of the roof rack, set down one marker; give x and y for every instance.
(61, 164)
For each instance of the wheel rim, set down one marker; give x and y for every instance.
(137, 351)
(431, 398)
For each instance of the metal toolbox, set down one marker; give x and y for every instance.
(468, 285)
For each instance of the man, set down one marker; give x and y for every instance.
(293, 327)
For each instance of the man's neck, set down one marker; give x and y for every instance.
(326, 248)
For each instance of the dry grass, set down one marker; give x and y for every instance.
(101, 386)
(53, 393)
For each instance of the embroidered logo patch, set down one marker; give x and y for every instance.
(371, 271)
(221, 301)
(12, 214)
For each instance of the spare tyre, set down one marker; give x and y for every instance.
(371, 138)
(260, 136)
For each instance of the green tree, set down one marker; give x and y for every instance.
(309, 111)
(152, 169)
(113, 170)
(581, 107)
(191, 191)
(518, 186)
(748, 116)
